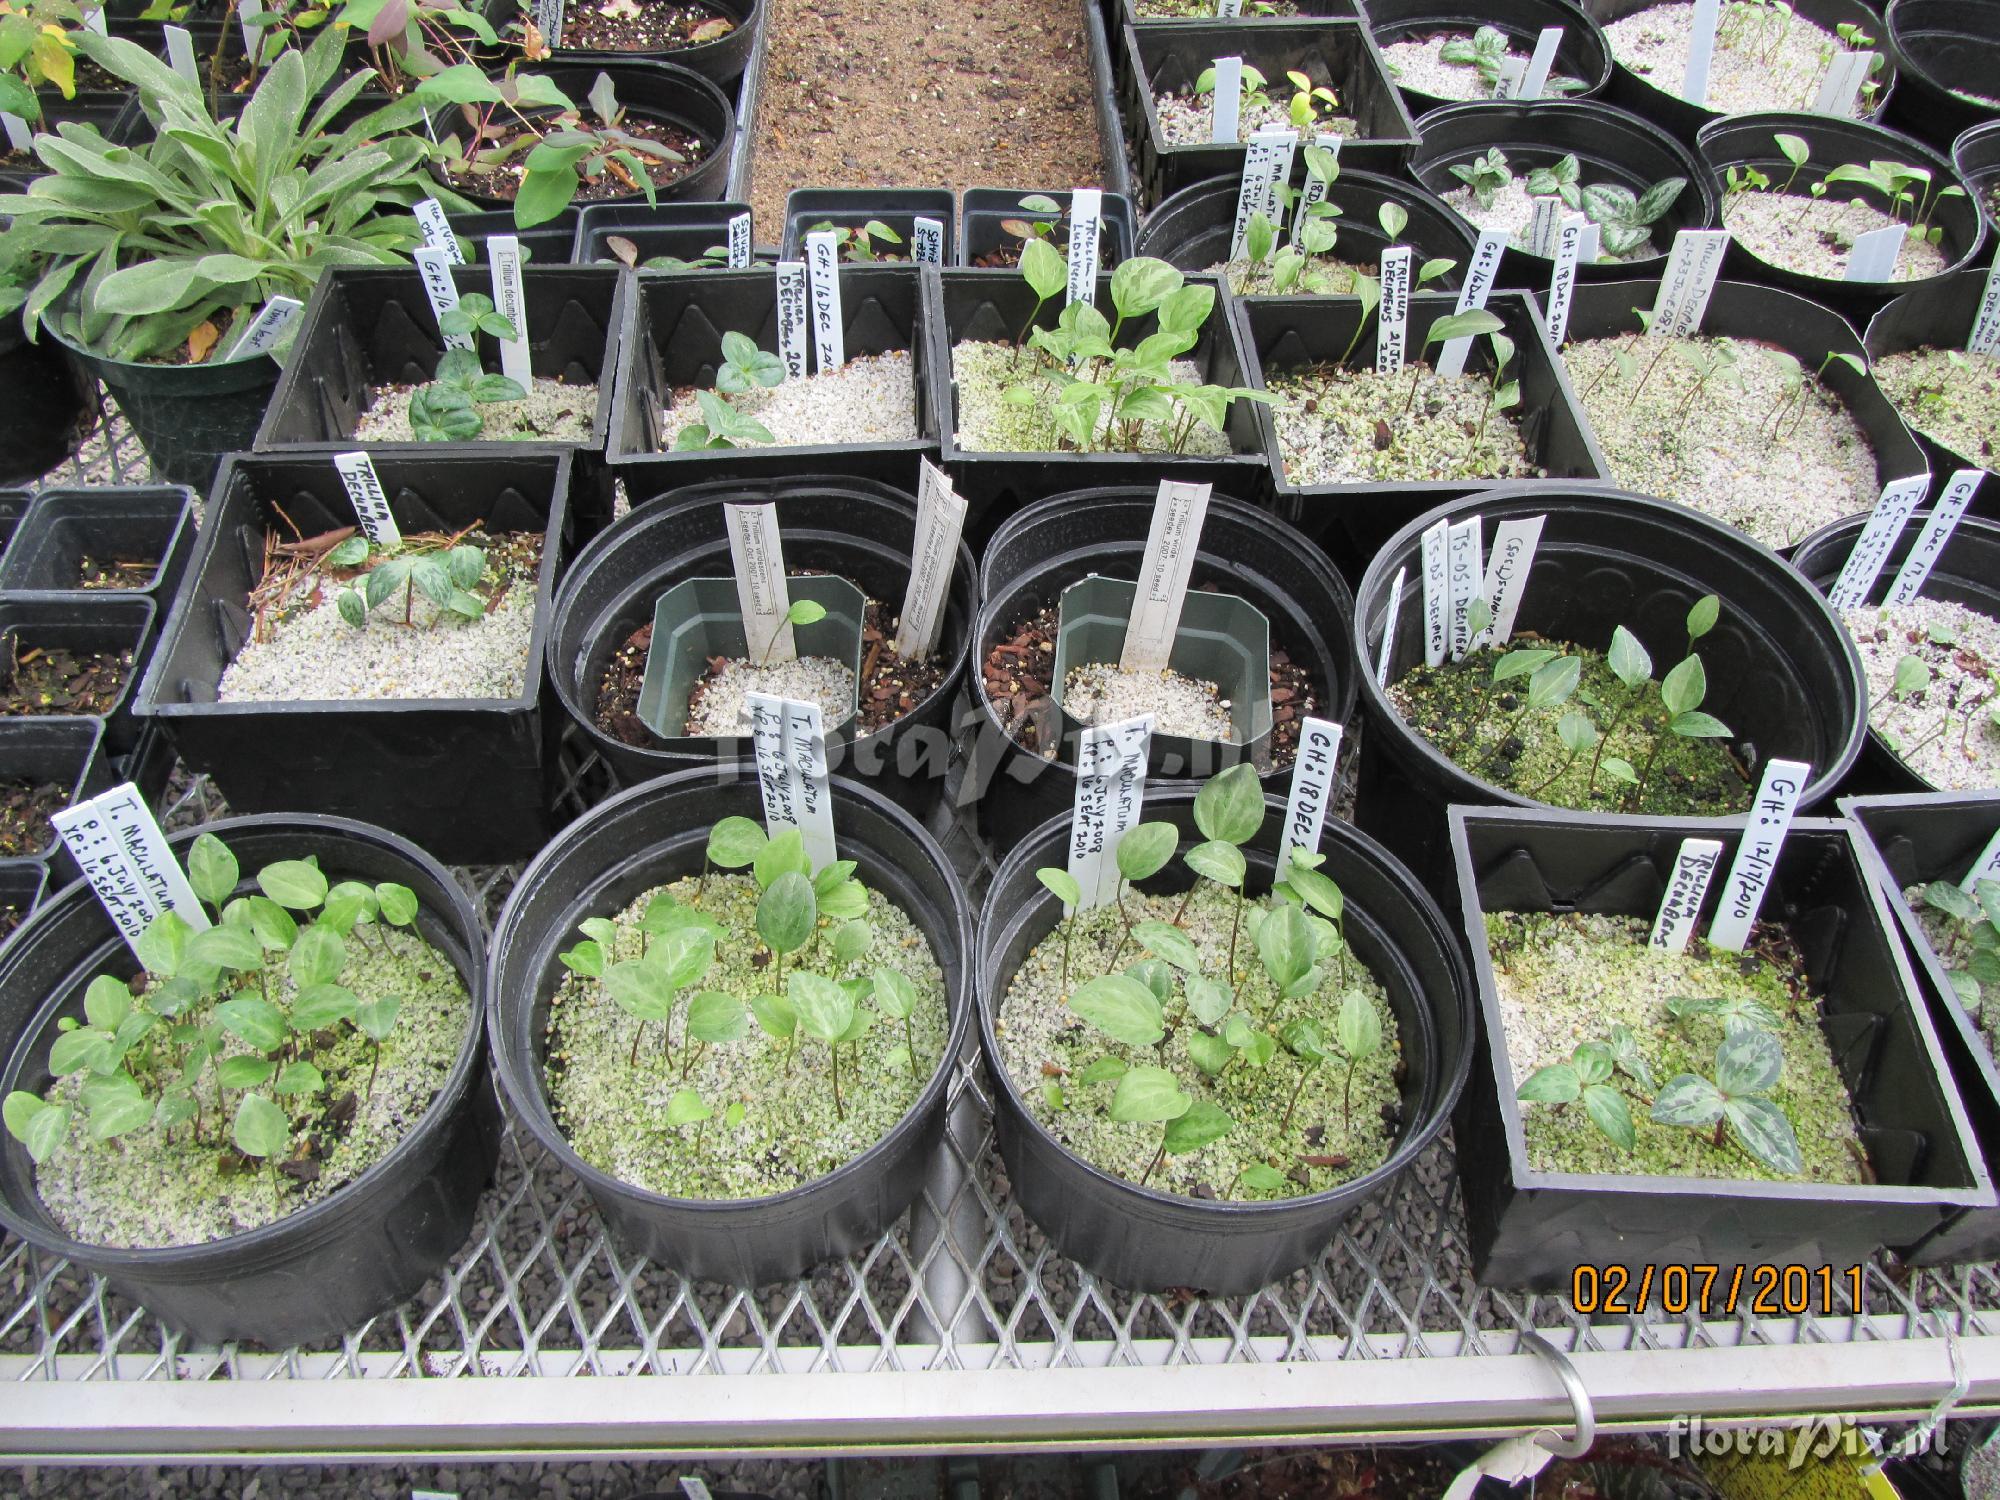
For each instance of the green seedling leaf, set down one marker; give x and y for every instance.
(1260, 1177)
(1945, 896)
(36, 1124)
(1628, 659)
(1748, 1062)
(1230, 807)
(1301, 1038)
(1609, 1112)
(686, 1108)
(785, 854)
(1316, 890)
(715, 1017)
(396, 903)
(108, 1001)
(1766, 1134)
(244, 1071)
(895, 995)
(1201, 1124)
(321, 1006)
(1358, 1028)
(317, 957)
(1208, 1000)
(1702, 617)
(351, 553)
(786, 913)
(115, 1106)
(1556, 1083)
(1218, 861)
(1685, 686)
(1122, 1008)
(1553, 683)
(163, 944)
(261, 1129)
(1696, 725)
(1210, 1053)
(1148, 1094)
(1285, 944)
(225, 947)
(824, 1009)
(775, 1015)
(1592, 1061)
(1168, 942)
(1521, 663)
(257, 1022)
(299, 1077)
(1043, 269)
(1145, 849)
(639, 987)
(851, 940)
(211, 869)
(1104, 1070)
(1060, 884)
(1689, 1100)
(293, 883)
(735, 842)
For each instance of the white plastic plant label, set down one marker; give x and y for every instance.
(1437, 593)
(434, 270)
(1680, 907)
(1179, 509)
(1944, 519)
(94, 18)
(1509, 1462)
(1086, 231)
(1562, 285)
(1986, 867)
(1312, 788)
(1545, 227)
(1701, 51)
(1843, 80)
(789, 741)
(253, 34)
(693, 1488)
(1480, 273)
(1688, 282)
(1392, 318)
(1873, 257)
(1513, 72)
(1536, 78)
(1267, 161)
(510, 300)
(1590, 244)
(739, 242)
(267, 329)
(1871, 548)
(19, 137)
(792, 317)
(940, 520)
(1389, 619)
(370, 500)
(180, 53)
(1985, 337)
(122, 852)
(437, 230)
(1757, 853)
(549, 18)
(757, 556)
(1464, 549)
(1224, 122)
(1110, 787)
(926, 242)
(823, 270)
(1507, 568)
(1228, 10)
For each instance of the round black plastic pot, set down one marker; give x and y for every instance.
(1065, 538)
(1146, 1240)
(1944, 52)
(1610, 145)
(659, 91)
(1781, 671)
(1976, 155)
(1583, 53)
(1938, 316)
(1192, 229)
(722, 60)
(1746, 141)
(1683, 120)
(329, 1266)
(1967, 572)
(807, 209)
(649, 836)
(855, 529)
(49, 405)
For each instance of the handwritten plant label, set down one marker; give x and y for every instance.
(1110, 788)
(434, 270)
(19, 137)
(1873, 257)
(1986, 867)
(1945, 516)
(123, 853)
(1757, 853)
(1228, 10)
(1267, 161)
(1480, 273)
(792, 317)
(437, 230)
(1536, 78)
(1701, 51)
(1389, 619)
(789, 741)
(510, 300)
(180, 53)
(1086, 229)
(264, 331)
(940, 520)
(1463, 550)
(549, 18)
(1437, 593)
(1312, 788)
(1545, 228)
(1985, 337)
(1688, 282)
(1392, 319)
(1227, 100)
(823, 267)
(757, 557)
(1178, 512)
(1514, 546)
(1513, 72)
(926, 242)
(739, 242)
(1843, 80)
(1680, 907)
(370, 500)
(1871, 548)
(1562, 286)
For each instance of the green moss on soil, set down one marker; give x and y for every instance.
(1345, 426)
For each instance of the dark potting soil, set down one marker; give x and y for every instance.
(10, 918)
(18, 161)
(1008, 252)
(890, 685)
(91, 78)
(206, 339)
(1487, 730)
(25, 807)
(1019, 672)
(642, 26)
(57, 681)
(505, 180)
(115, 572)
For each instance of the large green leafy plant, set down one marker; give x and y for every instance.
(138, 247)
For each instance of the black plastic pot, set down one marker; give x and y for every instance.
(649, 836)
(371, 326)
(1976, 155)
(1944, 58)
(853, 528)
(659, 91)
(50, 406)
(850, 208)
(1282, 334)
(1683, 120)
(1938, 316)
(1746, 141)
(994, 305)
(1146, 1240)
(722, 60)
(1967, 572)
(683, 230)
(1915, 839)
(672, 336)
(23, 884)
(1125, 13)
(121, 622)
(1532, 1229)
(1781, 671)
(1192, 229)
(1584, 54)
(117, 120)
(983, 209)
(1610, 145)
(1051, 545)
(463, 777)
(1803, 328)
(1168, 59)
(333, 1264)
(13, 507)
(66, 751)
(64, 526)
(547, 244)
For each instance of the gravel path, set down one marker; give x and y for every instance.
(870, 399)
(1812, 236)
(1753, 67)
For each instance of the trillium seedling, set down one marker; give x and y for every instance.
(1971, 950)
(444, 571)
(1734, 1100)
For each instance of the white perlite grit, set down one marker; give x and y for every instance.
(1190, 121)
(987, 423)
(1752, 68)
(1099, 693)
(1950, 396)
(1944, 732)
(1813, 236)
(1721, 456)
(551, 412)
(870, 399)
(1355, 426)
(1513, 211)
(721, 703)
(1415, 64)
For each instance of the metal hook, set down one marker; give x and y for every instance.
(1584, 1415)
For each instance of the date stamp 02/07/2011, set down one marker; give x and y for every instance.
(1764, 1291)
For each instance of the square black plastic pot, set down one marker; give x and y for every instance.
(13, 507)
(546, 244)
(683, 230)
(66, 751)
(672, 336)
(1533, 1229)
(1282, 334)
(63, 527)
(463, 777)
(370, 326)
(994, 305)
(1915, 839)
(983, 209)
(850, 208)
(1167, 60)
(1939, 316)
(117, 622)
(23, 884)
